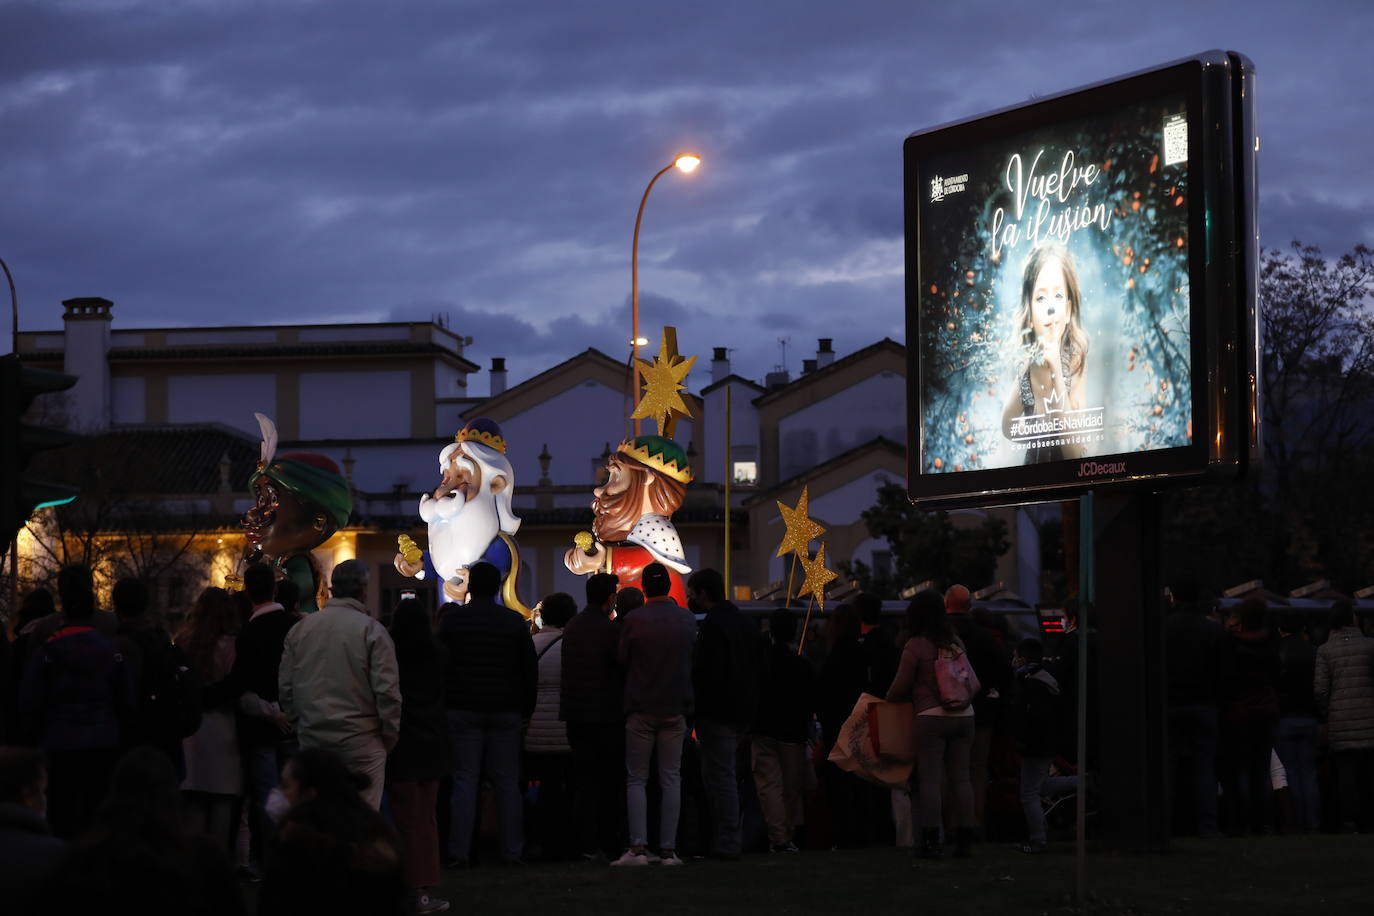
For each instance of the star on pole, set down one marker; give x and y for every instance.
(800, 528)
(817, 576)
(663, 378)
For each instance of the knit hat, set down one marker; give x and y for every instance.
(315, 479)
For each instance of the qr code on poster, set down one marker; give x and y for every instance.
(1175, 139)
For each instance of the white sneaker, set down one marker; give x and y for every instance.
(669, 858)
(631, 858)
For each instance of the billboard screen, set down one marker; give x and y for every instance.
(1062, 308)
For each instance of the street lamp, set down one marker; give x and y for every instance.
(687, 163)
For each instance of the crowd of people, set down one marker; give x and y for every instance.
(1270, 718)
(341, 760)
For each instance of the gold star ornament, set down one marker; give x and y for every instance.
(663, 379)
(800, 528)
(817, 576)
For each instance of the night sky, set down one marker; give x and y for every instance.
(217, 162)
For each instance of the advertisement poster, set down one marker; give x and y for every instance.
(1053, 320)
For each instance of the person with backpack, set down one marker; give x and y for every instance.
(991, 661)
(1034, 708)
(167, 692)
(75, 696)
(934, 674)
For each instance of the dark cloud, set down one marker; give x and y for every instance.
(302, 160)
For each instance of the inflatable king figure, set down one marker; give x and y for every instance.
(647, 478)
(470, 516)
(302, 499)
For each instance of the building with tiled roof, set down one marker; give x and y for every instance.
(383, 400)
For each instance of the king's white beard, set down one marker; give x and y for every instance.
(460, 530)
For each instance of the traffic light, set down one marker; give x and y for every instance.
(20, 494)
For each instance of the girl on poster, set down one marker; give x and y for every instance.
(1051, 353)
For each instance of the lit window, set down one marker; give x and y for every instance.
(746, 473)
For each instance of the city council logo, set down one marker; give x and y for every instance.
(940, 188)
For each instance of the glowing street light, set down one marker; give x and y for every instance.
(686, 163)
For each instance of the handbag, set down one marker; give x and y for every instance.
(890, 731)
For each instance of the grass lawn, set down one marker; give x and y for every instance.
(1281, 875)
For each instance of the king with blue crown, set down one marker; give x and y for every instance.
(470, 516)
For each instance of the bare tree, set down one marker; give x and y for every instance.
(115, 526)
(1305, 513)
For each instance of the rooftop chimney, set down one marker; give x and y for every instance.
(825, 354)
(776, 379)
(498, 375)
(86, 354)
(808, 366)
(720, 364)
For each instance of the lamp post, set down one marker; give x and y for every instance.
(687, 163)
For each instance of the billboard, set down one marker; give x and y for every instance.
(1080, 289)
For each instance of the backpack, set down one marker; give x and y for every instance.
(78, 699)
(170, 692)
(955, 682)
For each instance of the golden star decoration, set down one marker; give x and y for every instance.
(800, 528)
(662, 381)
(817, 576)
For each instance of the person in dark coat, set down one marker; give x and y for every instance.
(591, 704)
(1194, 668)
(75, 702)
(876, 642)
(336, 854)
(860, 812)
(1295, 738)
(1249, 717)
(725, 679)
(29, 853)
(153, 663)
(36, 605)
(139, 858)
(265, 737)
(787, 702)
(489, 693)
(1035, 717)
(422, 754)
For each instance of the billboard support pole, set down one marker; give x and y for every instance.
(1086, 595)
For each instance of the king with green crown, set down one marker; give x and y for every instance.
(646, 481)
